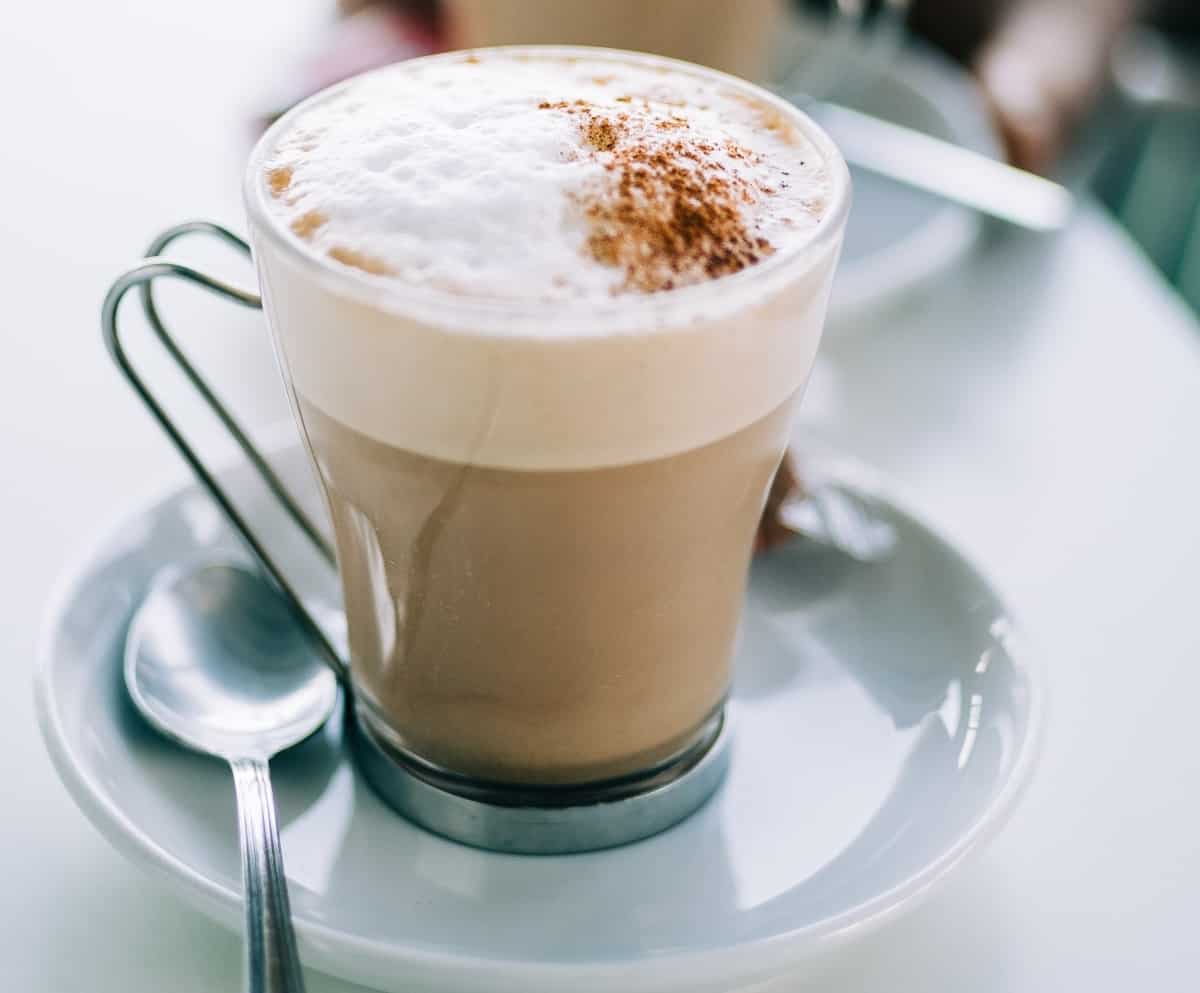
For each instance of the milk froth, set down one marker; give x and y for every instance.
(485, 175)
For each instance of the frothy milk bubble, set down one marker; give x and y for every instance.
(521, 254)
(510, 176)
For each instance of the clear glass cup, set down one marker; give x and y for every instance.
(549, 614)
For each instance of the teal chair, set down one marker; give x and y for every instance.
(1150, 179)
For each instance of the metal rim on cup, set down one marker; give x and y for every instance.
(562, 820)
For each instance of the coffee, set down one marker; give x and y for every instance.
(544, 316)
(550, 626)
(732, 35)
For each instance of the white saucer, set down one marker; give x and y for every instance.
(884, 730)
(900, 239)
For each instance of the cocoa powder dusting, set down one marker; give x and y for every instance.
(279, 179)
(601, 134)
(359, 260)
(307, 224)
(669, 214)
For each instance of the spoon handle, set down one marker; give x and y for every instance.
(272, 963)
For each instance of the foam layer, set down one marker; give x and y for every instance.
(423, 322)
(510, 176)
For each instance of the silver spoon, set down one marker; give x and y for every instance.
(216, 661)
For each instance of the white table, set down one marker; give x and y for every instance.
(1044, 408)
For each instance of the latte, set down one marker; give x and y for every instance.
(545, 315)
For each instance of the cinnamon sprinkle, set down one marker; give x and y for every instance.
(359, 260)
(279, 179)
(601, 134)
(669, 214)
(307, 224)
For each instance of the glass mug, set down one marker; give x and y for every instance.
(545, 628)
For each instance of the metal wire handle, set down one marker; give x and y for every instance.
(143, 276)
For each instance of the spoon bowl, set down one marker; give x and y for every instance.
(216, 660)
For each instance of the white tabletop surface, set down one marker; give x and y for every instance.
(1043, 406)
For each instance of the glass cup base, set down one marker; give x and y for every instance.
(555, 820)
